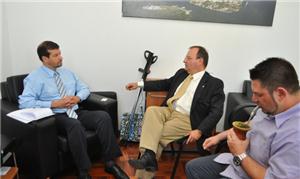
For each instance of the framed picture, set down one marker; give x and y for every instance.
(250, 12)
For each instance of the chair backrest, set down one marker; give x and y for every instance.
(12, 88)
(247, 91)
(240, 113)
(235, 99)
(4, 91)
(155, 98)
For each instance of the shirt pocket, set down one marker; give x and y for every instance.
(49, 91)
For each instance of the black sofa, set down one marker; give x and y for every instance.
(239, 105)
(40, 151)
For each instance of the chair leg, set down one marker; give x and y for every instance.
(176, 161)
(172, 149)
(15, 163)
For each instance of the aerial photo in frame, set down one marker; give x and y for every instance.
(250, 12)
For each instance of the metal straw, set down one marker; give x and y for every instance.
(253, 113)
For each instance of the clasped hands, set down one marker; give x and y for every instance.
(65, 102)
(235, 145)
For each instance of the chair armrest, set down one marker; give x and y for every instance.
(99, 102)
(109, 94)
(36, 142)
(42, 145)
(9, 126)
(182, 140)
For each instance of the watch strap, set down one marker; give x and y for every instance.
(242, 156)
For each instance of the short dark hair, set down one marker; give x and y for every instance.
(43, 48)
(202, 53)
(274, 72)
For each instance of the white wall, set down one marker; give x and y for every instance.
(106, 49)
(1, 39)
(298, 15)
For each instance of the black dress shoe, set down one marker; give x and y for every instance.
(147, 162)
(116, 171)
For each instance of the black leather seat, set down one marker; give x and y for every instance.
(40, 151)
(236, 99)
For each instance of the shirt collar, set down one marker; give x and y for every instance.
(198, 75)
(286, 115)
(49, 71)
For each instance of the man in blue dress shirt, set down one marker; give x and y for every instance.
(51, 86)
(272, 147)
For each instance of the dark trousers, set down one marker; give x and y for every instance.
(204, 168)
(98, 121)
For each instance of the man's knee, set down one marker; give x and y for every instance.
(190, 169)
(152, 109)
(204, 167)
(74, 124)
(75, 129)
(102, 120)
(102, 114)
(198, 168)
(156, 112)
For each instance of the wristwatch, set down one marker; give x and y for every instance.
(237, 160)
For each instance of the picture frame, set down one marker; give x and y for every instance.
(249, 12)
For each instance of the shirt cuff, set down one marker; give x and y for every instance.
(140, 84)
(44, 104)
(80, 98)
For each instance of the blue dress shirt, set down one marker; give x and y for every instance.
(274, 143)
(40, 89)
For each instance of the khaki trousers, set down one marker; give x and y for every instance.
(160, 127)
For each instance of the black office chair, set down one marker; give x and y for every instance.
(41, 152)
(181, 143)
(157, 98)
